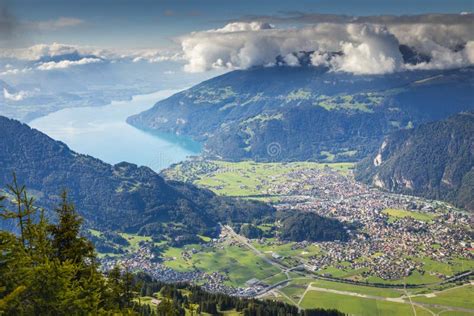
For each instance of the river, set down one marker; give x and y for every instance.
(103, 133)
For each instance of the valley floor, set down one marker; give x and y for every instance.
(409, 256)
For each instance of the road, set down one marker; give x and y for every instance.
(275, 287)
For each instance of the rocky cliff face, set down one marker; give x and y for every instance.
(435, 160)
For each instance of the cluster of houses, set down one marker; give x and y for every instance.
(382, 246)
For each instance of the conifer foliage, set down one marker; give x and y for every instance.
(49, 269)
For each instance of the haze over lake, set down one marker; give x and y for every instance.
(102, 132)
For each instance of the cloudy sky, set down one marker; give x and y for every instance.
(154, 23)
(361, 37)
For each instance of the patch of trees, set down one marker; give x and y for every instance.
(174, 302)
(249, 230)
(300, 226)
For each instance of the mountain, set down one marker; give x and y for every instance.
(307, 113)
(434, 160)
(121, 197)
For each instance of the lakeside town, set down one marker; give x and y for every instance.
(385, 246)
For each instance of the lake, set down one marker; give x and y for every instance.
(103, 133)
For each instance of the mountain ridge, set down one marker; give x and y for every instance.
(311, 113)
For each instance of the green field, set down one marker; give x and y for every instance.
(240, 265)
(134, 240)
(342, 273)
(275, 278)
(246, 178)
(395, 214)
(368, 290)
(460, 297)
(270, 246)
(296, 288)
(449, 268)
(357, 305)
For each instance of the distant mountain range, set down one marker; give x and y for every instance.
(285, 113)
(434, 160)
(122, 197)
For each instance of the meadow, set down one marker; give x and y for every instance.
(358, 306)
(397, 213)
(238, 264)
(246, 178)
(459, 297)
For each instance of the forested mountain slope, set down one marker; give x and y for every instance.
(435, 160)
(121, 197)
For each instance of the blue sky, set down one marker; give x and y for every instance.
(154, 24)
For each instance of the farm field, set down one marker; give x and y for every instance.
(460, 297)
(244, 179)
(358, 306)
(395, 214)
(350, 298)
(238, 264)
(367, 290)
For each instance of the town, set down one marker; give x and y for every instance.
(395, 236)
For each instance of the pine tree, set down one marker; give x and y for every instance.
(23, 208)
(49, 269)
(67, 243)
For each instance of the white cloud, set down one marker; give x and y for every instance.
(252, 46)
(373, 50)
(360, 45)
(14, 71)
(44, 51)
(444, 58)
(39, 51)
(154, 56)
(320, 59)
(14, 96)
(52, 65)
(291, 60)
(367, 45)
(243, 26)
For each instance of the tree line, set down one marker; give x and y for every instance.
(176, 299)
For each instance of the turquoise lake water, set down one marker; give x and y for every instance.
(103, 133)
